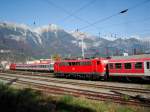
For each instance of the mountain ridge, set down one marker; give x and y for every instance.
(51, 39)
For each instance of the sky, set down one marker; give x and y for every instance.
(96, 17)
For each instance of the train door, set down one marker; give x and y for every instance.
(147, 68)
(106, 74)
(51, 66)
(97, 67)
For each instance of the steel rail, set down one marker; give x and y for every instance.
(52, 89)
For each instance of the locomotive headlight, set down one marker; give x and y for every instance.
(105, 61)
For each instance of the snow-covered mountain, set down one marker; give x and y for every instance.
(51, 39)
(40, 42)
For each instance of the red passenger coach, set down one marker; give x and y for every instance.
(129, 67)
(92, 68)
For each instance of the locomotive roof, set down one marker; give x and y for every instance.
(79, 60)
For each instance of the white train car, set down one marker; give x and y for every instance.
(47, 67)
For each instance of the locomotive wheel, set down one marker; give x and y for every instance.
(129, 79)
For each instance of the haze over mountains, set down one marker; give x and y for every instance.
(21, 40)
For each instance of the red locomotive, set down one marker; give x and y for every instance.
(91, 68)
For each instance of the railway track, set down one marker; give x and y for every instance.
(83, 84)
(59, 90)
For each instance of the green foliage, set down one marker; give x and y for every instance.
(56, 57)
(126, 97)
(66, 99)
(96, 106)
(71, 105)
(25, 100)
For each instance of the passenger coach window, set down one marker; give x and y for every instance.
(118, 65)
(138, 65)
(127, 65)
(148, 65)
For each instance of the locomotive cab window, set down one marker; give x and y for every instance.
(138, 65)
(64, 64)
(148, 65)
(88, 63)
(118, 65)
(70, 63)
(60, 64)
(127, 65)
(77, 63)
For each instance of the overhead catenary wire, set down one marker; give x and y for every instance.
(130, 21)
(113, 15)
(138, 4)
(64, 10)
(79, 9)
(69, 13)
(127, 22)
(98, 21)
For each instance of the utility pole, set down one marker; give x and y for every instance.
(82, 48)
(99, 35)
(14, 27)
(134, 51)
(82, 43)
(47, 31)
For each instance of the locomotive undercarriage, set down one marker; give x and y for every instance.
(78, 76)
